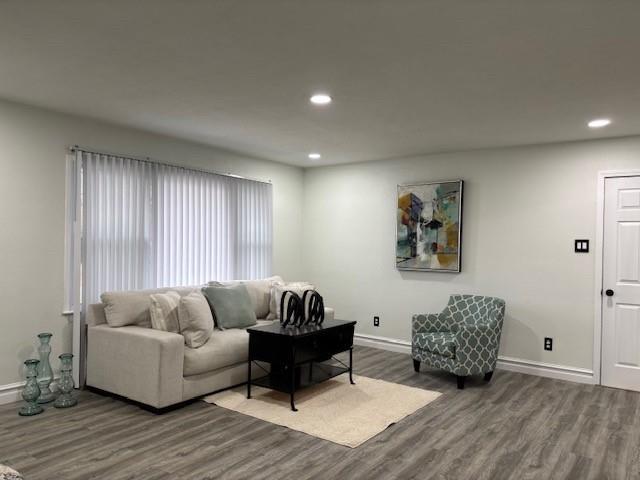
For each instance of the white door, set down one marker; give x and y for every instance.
(621, 284)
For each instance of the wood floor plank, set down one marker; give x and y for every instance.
(516, 427)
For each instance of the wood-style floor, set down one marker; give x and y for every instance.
(516, 427)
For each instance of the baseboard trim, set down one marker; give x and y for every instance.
(383, 343)
(530, 367)
(549, 370)
(11, 392)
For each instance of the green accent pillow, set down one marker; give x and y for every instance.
(231, 306)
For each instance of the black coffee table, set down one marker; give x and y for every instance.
(299, 355)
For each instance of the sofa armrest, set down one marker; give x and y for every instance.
(429, 322)
(329, 313)
(139, 363)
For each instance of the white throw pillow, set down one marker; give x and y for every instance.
(164, 311)
(276, 295)
(196, 319)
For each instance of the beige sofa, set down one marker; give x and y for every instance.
(156, 368)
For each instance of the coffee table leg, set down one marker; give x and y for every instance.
(249, 378)
(351, 366)
(292, 366)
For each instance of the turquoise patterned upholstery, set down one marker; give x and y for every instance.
(463, 339)
(441, 343)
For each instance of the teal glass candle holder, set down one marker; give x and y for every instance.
(31, 390)
(65, 384)
(45, 374)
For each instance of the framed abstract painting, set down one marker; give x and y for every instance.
(429, 227)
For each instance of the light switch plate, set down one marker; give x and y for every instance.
(581, 246)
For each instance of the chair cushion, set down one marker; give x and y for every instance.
(223, 349)
(440, 343)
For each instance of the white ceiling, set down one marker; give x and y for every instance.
(407, 77)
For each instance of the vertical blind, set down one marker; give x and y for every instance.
(147, 225)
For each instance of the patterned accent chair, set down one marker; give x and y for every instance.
(463, 339)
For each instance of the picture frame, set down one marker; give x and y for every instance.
(429, 226)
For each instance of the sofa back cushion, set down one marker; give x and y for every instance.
(132, 307)
(95, 314)
(127, 308)
(259, 292)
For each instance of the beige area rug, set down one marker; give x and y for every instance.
(333, 410)
(7, 473)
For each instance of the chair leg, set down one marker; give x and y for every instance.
(461, 379)
(487, 376)
(416, 365)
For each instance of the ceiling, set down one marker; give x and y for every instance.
(407, 77)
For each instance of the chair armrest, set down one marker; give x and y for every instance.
(139, 363)
(483, 339)
(429, 322)
(329, 313)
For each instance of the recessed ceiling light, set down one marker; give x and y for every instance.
(314, 156)
(599, 123)
(320, 99)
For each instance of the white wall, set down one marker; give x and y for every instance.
(33, 145)
(523, 207)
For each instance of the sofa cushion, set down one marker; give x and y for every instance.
(127, 308)
(259, 292)
(223, 349)
(164, 311)
(440, 343)
(132, 307)
(196, 320)
(231, 306)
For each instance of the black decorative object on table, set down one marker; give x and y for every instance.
(298, 354)
(299, 311)
(294, 313)
(313, 308)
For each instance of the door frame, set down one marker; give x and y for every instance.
(598, 250)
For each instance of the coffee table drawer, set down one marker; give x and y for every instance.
(336, 340)
(270, 349)
(323, 345)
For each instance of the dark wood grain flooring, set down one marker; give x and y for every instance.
(516, 427)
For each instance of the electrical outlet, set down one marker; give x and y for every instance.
(376, 321)
(548, 343)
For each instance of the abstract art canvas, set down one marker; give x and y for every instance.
(429, 227)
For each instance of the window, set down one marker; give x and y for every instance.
(146, 225)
